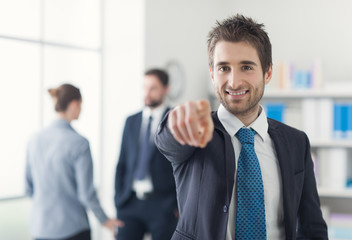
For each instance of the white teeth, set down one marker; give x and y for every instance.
(236, 94)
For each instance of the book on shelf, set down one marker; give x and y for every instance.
(332, 168)
(275, 110)
(349, 122)
(287, 75)
(317, 118)
(325, 119)
(342, 120)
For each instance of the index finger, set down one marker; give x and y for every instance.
(192, 119)
(203, 108)
(208, 130)
(207, 125)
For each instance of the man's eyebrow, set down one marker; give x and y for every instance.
(247, 62)
(222, 63)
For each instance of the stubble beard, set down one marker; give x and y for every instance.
(153, 103)
(250, 105)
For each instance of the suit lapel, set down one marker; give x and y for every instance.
(134, 132)
(287, 175)
(229, 156)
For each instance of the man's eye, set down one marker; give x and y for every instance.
(224, 69)
(247, 68)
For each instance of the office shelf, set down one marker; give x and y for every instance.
(331, 143)
(306, 93)
(335, 193)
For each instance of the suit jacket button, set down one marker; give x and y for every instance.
(225, 208)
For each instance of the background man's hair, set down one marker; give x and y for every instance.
(160, 74)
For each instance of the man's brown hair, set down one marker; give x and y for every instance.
(239, 28)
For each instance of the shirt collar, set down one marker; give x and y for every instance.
(232, 124)
(156, 113)
(60, 122)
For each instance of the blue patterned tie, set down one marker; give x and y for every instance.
(250, 215)
(142, 167)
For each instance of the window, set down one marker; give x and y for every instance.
(43, 44)
(20, 110)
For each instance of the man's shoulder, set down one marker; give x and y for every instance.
(134, 116)
(283, 128)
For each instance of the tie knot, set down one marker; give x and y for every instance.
(246, 135)
(150, 119)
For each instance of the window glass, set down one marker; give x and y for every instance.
(20, 18)
(20, 110)
(74, 22)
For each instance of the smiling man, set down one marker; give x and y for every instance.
(239, 174)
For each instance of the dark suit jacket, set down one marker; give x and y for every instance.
(160, 169)
(204, 182)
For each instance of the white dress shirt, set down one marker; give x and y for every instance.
(145, 185)
(270, 169)
(157, 114)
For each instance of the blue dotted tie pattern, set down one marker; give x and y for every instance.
(250, 214)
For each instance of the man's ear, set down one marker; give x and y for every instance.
(268, 74)
(211, 74)
(166, 90)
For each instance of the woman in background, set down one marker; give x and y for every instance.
(59, 175)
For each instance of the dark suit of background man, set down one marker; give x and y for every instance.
(240, 175)
(145, 193)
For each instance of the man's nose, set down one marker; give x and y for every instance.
(147, 93)
(234, 79)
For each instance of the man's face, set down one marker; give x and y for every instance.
(154, 91)
(238, 78)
